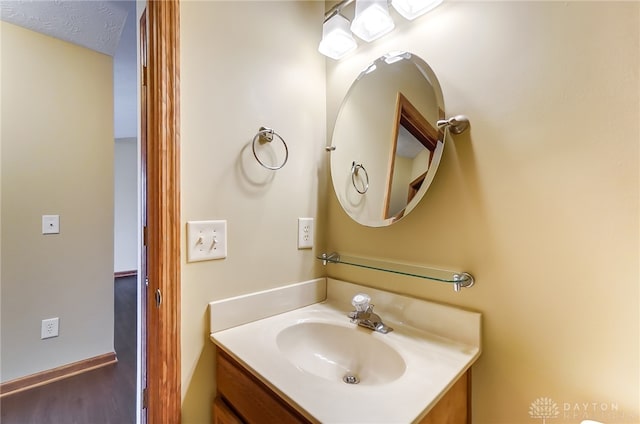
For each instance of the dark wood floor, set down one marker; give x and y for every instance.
(105, 395)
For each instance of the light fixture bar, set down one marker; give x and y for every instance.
(370, 22)
(409, 9)
(337, 9)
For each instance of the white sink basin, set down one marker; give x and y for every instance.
(303, 354)
(348, 354)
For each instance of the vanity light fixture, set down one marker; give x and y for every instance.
(372, 19)
(370, 22)
(337, 40)
(411, 9)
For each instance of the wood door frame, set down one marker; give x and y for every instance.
(144, 274)
(409, 117)
(163, 392)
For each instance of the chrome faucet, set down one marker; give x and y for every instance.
(364, 315)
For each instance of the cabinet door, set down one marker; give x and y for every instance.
(222, 414)
(258, 404)
(454, 407)
(253, 401)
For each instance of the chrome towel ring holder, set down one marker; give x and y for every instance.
(265, 135)
(355, 168)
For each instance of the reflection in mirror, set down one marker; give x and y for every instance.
(414, 140)
(387, 124)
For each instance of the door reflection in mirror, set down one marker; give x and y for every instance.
(415, 140)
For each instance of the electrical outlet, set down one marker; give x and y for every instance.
(50, 224)
(49, 328)
(305, 233)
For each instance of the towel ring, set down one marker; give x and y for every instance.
(265, 135)
(355, 167)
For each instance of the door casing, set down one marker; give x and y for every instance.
(163, 391)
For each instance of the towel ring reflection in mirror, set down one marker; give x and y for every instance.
(265, 135)
(355, 168)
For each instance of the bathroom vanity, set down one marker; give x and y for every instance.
(312, 364)
(314, 352)
(241, 394)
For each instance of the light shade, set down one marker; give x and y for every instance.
(337, 40)
(372, 19)
(411, 9)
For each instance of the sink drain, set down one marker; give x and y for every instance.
(350, 379)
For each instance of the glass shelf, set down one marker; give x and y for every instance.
(458, 279)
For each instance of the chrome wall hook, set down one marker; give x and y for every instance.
(456, 124)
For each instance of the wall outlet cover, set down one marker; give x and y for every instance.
(49, 328)
(50, 224)
(305, 233)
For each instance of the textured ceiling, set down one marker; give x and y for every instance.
(105, 26)
(89, 23)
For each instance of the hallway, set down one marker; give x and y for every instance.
(105, 395)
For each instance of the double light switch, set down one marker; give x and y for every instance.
(206, 240)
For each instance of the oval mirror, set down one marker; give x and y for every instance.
(386, 143)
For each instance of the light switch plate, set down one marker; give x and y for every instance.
(206, 240)
(50, 224)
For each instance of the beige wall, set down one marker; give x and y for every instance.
(246, 65)
(539, 200)
(125, 160)
(57, 158)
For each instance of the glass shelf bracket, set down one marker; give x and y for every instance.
(459, 280)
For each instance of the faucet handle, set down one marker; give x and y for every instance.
(361, 302)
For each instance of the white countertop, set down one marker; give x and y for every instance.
(433, 362)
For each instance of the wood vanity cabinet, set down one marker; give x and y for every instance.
(242, 394)
(243, 398)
